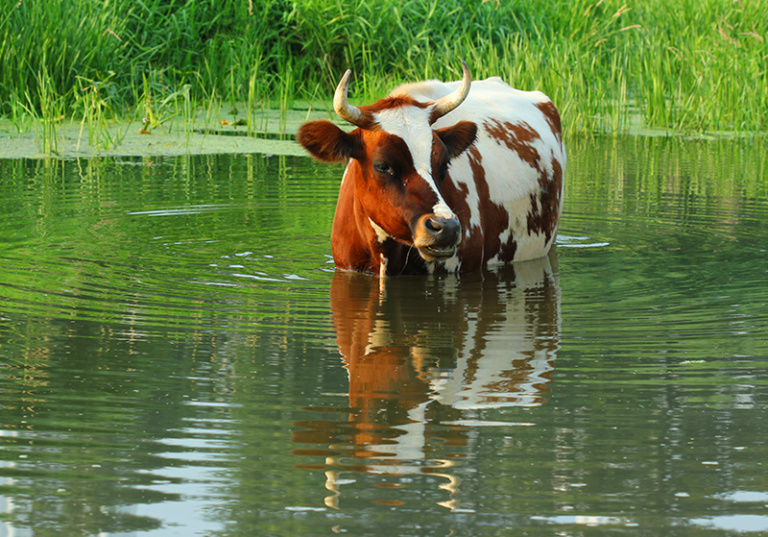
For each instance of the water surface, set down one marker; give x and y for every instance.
(178, 357)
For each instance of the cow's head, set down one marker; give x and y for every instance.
(398, 163)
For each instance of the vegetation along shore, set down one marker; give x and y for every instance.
(688, 66)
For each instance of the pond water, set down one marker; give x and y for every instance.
(178, 357)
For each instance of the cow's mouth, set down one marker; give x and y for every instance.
(437, 237)
(434, 253)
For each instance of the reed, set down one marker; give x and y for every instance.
(97, 113)
(684, 66)
(46, 109)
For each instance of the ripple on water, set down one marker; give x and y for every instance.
(154, 254)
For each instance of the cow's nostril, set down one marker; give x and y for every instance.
(433, 225)
(442, 230)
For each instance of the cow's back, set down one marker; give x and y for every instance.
(507, 188)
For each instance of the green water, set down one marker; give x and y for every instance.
(178, 357)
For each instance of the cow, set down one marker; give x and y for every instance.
(443, 177)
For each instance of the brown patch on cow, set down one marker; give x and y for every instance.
(508, 249)
(545, 207)
(550, 186)
(434, 116)
(389, 103)
(494, 217)
(470, 251)
(350, 246)
(552, 117)
(518, 137)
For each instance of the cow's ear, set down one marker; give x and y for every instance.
(458, 138)
(325, 141)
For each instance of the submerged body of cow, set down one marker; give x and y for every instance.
(432, 186)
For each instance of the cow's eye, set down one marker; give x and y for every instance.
(384, 168)
(442, 170)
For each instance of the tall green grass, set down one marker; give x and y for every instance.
(685, 65)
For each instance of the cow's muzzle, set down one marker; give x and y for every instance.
(436, 237)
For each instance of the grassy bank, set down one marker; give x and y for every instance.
(683, 65)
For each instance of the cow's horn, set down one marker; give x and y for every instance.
(445, 104)
(346, 111)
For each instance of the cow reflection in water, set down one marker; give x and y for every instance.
(424, 357)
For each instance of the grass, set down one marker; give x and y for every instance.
(683, 66)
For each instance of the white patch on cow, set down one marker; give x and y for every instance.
(411, 124)
(381, 235)
(442, 210)
(531, 247)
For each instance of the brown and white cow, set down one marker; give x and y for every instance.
(443, 177)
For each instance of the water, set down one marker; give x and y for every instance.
(178, 357)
